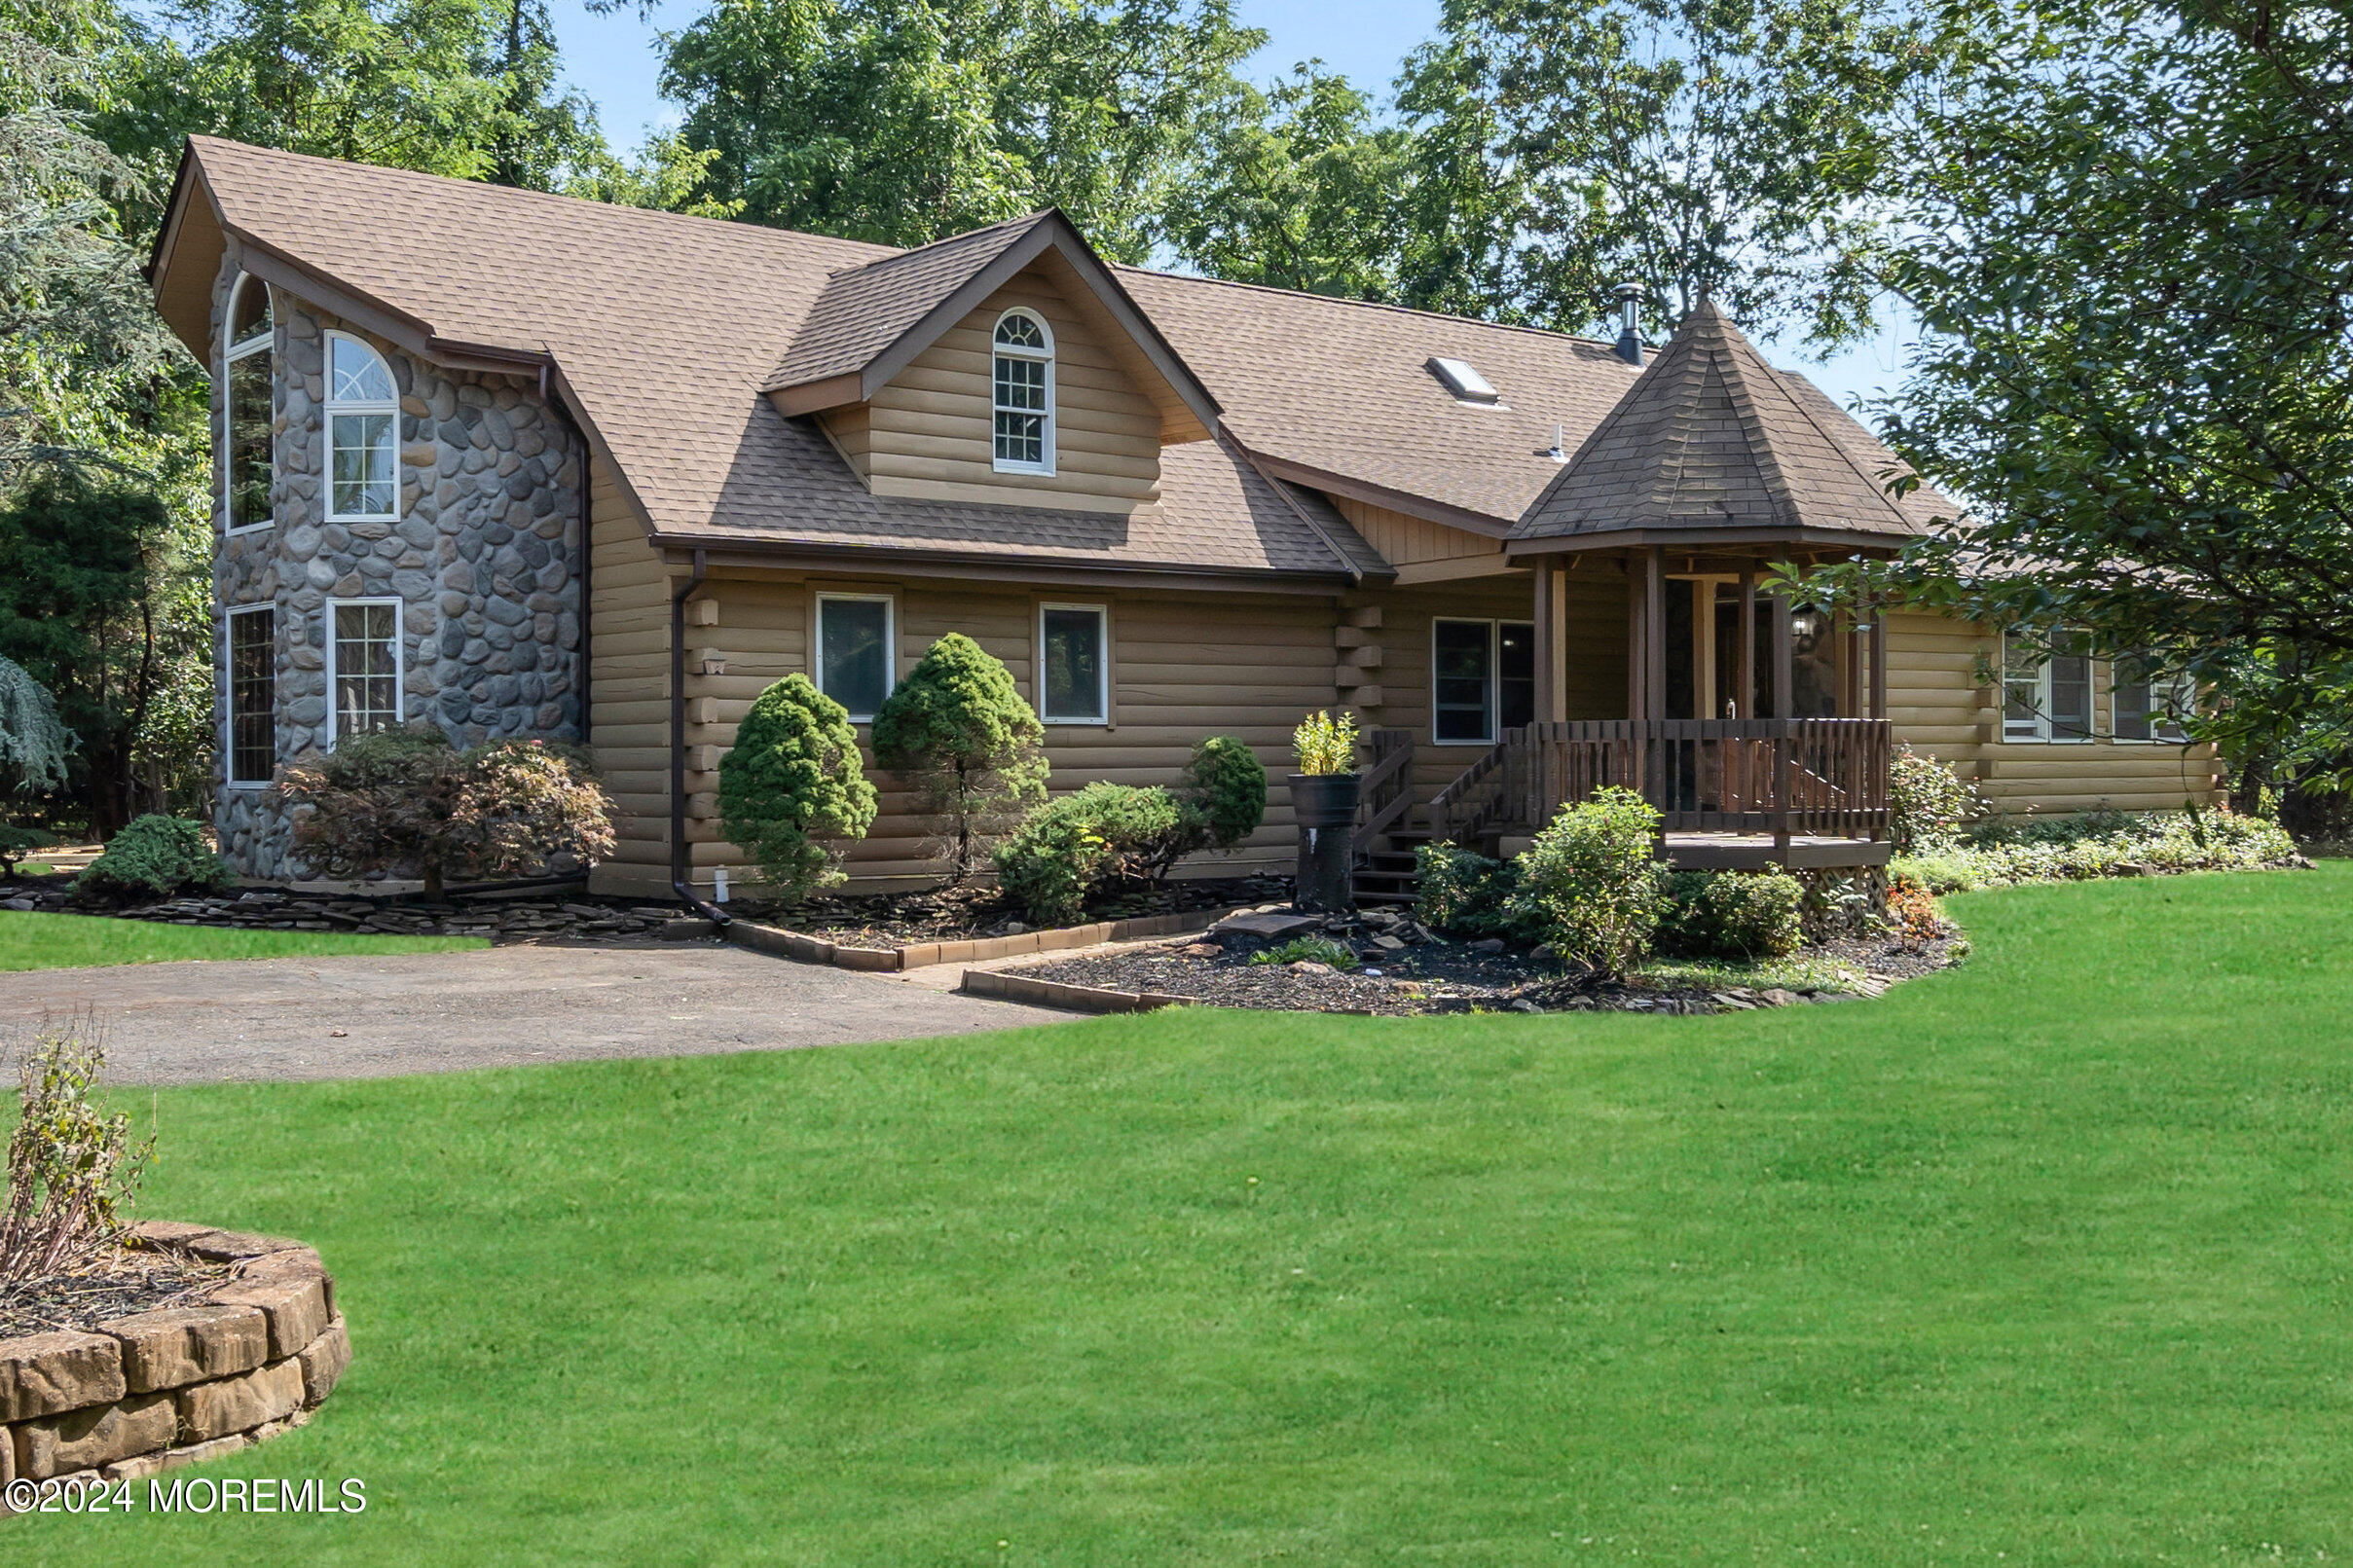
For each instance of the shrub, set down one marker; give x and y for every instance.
(1912, 911)
(154, 858)
(1465, 893)
(406, 800)
(1226, 786)
(2102, 845)
(1588, 885)
(1324, 743)
(1307, 950)
(72, 1168)
(1733, 915)
(792, 783)
(1071, 849)
(15, 843)
(1928, 803)
(960, 735)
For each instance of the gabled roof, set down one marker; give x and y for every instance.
(1713, 442)
(872, 318)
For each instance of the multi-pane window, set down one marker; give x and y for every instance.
(363, 420)
(248, 416)
(1483, 679)
(2149, 707)
(252, 695)
(1074, 684)
(363, 666)
(2045, 685)
(854, 651)
(1022, 393)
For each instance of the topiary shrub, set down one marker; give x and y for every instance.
(1742, 916)
(154, 858)
(405, 801)
(1589, 886)
(958, 734)
(1070, 851)
(792, 783)
(1226, 787)
(1928, 804)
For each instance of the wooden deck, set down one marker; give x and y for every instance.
(1750, 852)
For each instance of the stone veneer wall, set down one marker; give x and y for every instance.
(485, 559)
(153, 1390)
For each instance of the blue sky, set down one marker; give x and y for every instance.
(615, 59)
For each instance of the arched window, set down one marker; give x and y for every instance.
(246, 417)
(1022, 376)
(363, 418)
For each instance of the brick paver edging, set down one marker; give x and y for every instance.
(921, 955)
(153, 1390)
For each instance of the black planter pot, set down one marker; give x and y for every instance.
(1326, 807)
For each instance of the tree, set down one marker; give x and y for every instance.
(1720, 149)
(904, 121)
(958, 732)
(2131, 249)
(33, 743)
(792, 785)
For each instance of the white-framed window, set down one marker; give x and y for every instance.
(1021, 394)
(853, 642)
(248, 416)
(1074, 664)
(363, 666)
(2045, 685)
(1483, 679)
(252, 695)
(363, 433)
(2150, 707)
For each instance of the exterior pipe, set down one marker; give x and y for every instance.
(681, 873)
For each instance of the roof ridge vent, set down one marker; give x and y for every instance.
(1461, 379)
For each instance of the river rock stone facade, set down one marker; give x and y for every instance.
(485, 560)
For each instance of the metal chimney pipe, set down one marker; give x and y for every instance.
(1629, 337)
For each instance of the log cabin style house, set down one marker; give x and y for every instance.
(517, 465)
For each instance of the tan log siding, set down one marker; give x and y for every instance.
(1935, 703)
(629, 685)
(932, 431)
(1404, 540)
(852, 431)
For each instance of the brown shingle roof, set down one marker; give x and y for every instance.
(866, 307)
(1712, 438)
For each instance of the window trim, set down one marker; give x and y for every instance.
(400, 656)
(889, 643)
(1044, 357)
(1495, 674)
(357, 407)
(2041, 735)
(2181, 684)
(1102, 615)
(229, 617)
(261, 343)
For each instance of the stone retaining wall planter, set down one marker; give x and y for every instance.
(790, 944)
(154, 1390)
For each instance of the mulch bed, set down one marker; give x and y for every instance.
(116, 1285)
(978, 910)
(561, 915)
(1426, 974)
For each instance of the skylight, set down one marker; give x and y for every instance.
(1465, 383)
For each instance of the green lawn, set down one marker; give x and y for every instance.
(38, 941)
(2043, 1261)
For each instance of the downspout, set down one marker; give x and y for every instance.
(680, 882)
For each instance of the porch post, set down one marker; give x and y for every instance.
(1879, 658)
(1654, 636)
(1635, 661)
(1547, 637)
(1748, 646)
(1850, 679)
(1785, 699)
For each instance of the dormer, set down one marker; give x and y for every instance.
(1004, 366)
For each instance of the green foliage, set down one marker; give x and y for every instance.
(15, 843)
(1324, 744)
(154, 858)
(1225, 789)
(2060, 848)
(1737, 915)
(1072, 851)
(957, 731)
(1461, 894)
(72, 1168)
(906, 120)
(1928, 804)
(392, 802)
(33, 743)
(1588, 885)
(792, 785)
(1307, 950)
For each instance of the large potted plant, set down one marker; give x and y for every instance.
(1323, 798)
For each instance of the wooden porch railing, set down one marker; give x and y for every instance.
(1385, 798)
(1788, 777)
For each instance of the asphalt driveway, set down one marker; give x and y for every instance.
(432, 1012)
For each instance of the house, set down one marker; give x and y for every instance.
(522, 465)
